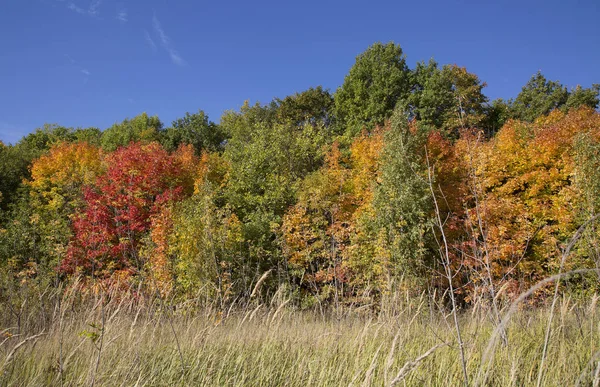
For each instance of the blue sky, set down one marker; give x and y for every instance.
(87, 63)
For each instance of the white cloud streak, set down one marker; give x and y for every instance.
(75, 8)
(70, 59)
(122, 15)
(78, 68)
(166, 43)
(150, 41)
(93, 9)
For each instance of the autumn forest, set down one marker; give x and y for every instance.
(403, 185)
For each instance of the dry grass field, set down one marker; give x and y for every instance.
(102, 342)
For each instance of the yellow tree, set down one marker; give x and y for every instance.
(56, 194)
(204, 240)
(319, 231)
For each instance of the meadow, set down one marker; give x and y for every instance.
(403, 230)
(105, 340)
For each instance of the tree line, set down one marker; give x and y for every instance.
(333, 197)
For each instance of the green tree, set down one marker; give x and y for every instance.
(14, 163)
(267, 160)
(313, 106)
(583, 97)
(19, 236)
(92, 136)
(194, 129)
(449, 98)
(141, 128)
(378, 79)
(402, 200)
(43, 138)
(497, 113)
(538, 97)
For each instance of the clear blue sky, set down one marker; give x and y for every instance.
(95, 62)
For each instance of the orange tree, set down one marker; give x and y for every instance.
(522, 201)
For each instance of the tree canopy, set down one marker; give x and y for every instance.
(331, 197)
(373, 86)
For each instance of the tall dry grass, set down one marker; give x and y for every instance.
(61, 340)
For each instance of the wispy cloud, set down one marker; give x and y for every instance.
(166, 42)
(75, 8)
(149, 40)
(81, 70)
(122, 15)
(176, 58)
(161, 33)
(70, 59)
(93, 9)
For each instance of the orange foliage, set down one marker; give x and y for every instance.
(158, 261)
(318, 231)
(520, 199)
(67, 165)
(211, 168)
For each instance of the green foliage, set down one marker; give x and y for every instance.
(540, 96)
(496, 116)
(239, 123)
(15, 159)
(206, 242)
(583, 97)
(375, 83)
(43, 138)
(27, 242)
(267, 159)
(141, 128)
(14, 162)
(402, 200)
(196, 130)
(449, 98)
(92, 136)
(18, 238)
(313, 106)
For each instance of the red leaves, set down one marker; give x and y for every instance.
(139, 179)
